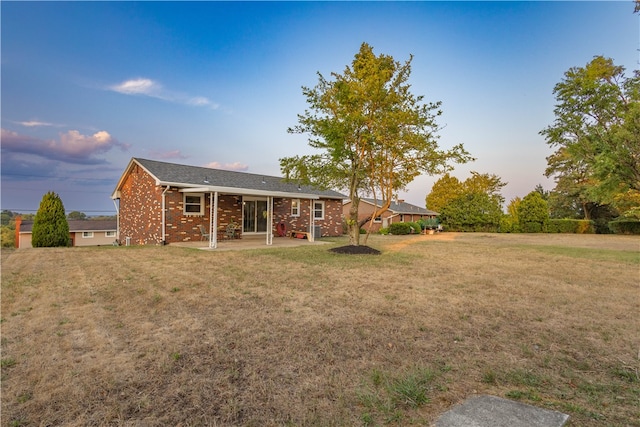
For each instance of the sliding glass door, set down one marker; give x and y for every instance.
(254, 215)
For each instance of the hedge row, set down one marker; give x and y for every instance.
(577, 226)
(625, 226)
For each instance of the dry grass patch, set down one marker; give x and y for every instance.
(302, 336)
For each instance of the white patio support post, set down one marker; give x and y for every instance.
(213, 220)
(312, 215)
(269, 221)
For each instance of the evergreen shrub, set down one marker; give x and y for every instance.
(50, 226)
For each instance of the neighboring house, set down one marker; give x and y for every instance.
(162, 203)
(398, 211)
(82, 232)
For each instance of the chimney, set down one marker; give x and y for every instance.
(18, 223)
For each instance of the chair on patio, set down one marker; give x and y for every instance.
(203, 233)
(231, 231)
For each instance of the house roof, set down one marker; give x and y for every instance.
(78, 225)
(202, 179)
(401, 207)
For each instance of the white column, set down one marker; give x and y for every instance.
(269, 221)
(213, 220)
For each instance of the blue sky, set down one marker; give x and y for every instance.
(88, 85)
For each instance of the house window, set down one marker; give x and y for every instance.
(194, 204)
(295, 207)
(87, 234)
(110, 234)
(377, 219)
(318, 209)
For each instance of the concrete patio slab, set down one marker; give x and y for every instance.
(492, 411)
(253, 242)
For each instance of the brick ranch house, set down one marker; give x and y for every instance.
(398, 211)
(81, 232)
(163, 203)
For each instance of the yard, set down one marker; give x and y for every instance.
(157, 336)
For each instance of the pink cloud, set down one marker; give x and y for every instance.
(165, 155)
(236, 166)
(70, 147)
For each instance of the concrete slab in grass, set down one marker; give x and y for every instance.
(491, 411)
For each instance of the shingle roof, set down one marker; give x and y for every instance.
(78, 225)
(404, 208)
(196, 176)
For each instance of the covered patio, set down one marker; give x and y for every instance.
(250, 242)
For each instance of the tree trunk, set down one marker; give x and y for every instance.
(353, 228)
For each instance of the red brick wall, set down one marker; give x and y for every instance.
(331, 225)
(140, 209)
(184, 228)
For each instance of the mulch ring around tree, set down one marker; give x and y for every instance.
(355, 250)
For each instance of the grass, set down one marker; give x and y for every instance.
(302, 336)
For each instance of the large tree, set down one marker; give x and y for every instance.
(50, 226)
(373, 134)
(533, 213)
(444, 190)
(472, 205)
(473, 211)
(448, 188)
(596, 133)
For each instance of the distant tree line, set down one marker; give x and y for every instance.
(596, 165)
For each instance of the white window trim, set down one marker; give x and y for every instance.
(295, 209)
(109, 234)
(321, 202)
(87, 234)
(378, 219)
(184, 204)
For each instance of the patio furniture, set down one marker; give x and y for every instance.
(231, 231)
(203, 233)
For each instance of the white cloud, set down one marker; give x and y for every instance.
(138, 87)
(153, 89)
(236, 166)
(35, 123)
(201, 101)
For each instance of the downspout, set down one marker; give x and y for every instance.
(310, 236)
(164, 216)
(389, 218)
(117, 220)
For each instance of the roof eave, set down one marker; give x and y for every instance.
(246, 192)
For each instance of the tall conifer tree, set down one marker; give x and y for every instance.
(50, 226)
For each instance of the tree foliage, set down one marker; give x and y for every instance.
(596, 133)
(373, 134)
(533, 213)
(472, 205)
(473, 211)
(76, 215)
(50, 226)
(444, 191)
